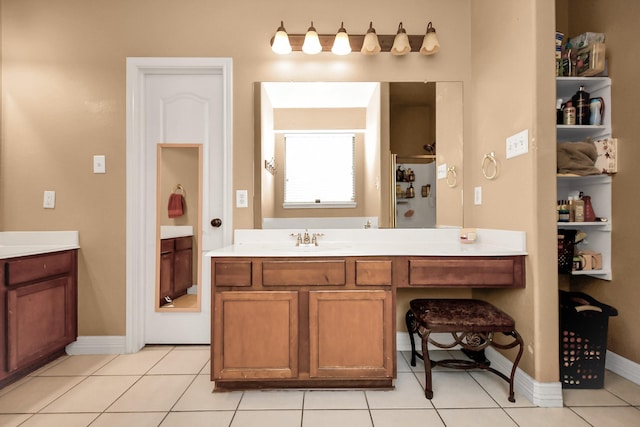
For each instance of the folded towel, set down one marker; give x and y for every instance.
(577, 158)
(176, 205)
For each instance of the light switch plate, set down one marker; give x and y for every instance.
(442, 171)
(477, 195)
(518, 144)
(49, 201)
(99, 164)
(242, 199)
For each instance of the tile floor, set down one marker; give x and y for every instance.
(169, 386)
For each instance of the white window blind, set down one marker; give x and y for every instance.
(319, 170)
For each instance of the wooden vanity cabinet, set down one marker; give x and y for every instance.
(38, 305)
(176, 267)
(302, 322)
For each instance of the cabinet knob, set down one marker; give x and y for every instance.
(216, 222)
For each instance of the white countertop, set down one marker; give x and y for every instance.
(23, 243)
(374, 242)
(172, 231)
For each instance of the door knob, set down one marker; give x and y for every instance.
(216, 222)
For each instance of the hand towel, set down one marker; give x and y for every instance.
(176, 205)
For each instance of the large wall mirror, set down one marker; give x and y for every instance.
(411, 127)
(178, 219)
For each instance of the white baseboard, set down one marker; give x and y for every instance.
(546, 395)
(98, 345)
(623, 367)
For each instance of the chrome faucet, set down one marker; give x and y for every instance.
(306, 239)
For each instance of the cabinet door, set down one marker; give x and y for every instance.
(182, 271)
(255, 335)
(40, 320)
(166, 277)
(351, 334)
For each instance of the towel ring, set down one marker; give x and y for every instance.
(180, 188)
(452, 177)
(491, 157)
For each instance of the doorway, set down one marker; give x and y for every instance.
(177, 101)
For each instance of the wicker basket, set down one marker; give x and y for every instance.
(566, 243)
(583, 340)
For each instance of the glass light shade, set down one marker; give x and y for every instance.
(371, 44)
(311, 44)
(281, 44)
(401, 44)
(430, 44)
(341, 45)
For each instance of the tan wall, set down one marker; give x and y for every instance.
(510, 93)
(618, 20)
(63, 89)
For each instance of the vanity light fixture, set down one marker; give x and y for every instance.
(401, 45)
(311, 45)
(280, 42)
(368, 44)
(430, 44)
(371, 44)
(341, 45)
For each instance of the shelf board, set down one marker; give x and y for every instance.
(601, 274)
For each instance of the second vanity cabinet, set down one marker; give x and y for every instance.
(302, 322)
(38, 310)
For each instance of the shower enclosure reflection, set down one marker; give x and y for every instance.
(178, 219)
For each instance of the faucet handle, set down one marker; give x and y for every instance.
(315, 238)
(298, 237)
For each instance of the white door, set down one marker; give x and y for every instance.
(177, 103)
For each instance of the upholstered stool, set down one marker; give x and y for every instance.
(472, 324)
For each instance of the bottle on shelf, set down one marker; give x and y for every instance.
(581, 103)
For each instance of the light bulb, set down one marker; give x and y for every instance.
(311, 43)
(280, 44)
(371, 44)
(430, 44)
(401, 44)
(341, 45)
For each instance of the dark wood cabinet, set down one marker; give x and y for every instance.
(176, 267)
(38, 311)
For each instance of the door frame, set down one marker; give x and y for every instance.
(137, 251)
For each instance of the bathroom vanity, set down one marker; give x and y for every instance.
(324, 316)
(38, 299)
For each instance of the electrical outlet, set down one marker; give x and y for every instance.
(477, 195)
(49, 199)
(442, 171)
(518, 144)
(242, 199)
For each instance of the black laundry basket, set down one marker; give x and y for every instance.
(584, 323)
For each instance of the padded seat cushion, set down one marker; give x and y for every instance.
(456, 315)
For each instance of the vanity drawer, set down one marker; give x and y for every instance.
(373, 272)
(183, 243)
(304, 272)
(166, 246)
(475, 272)
(231, 273)
(31, 268)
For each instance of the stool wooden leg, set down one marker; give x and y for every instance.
(428, 389)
